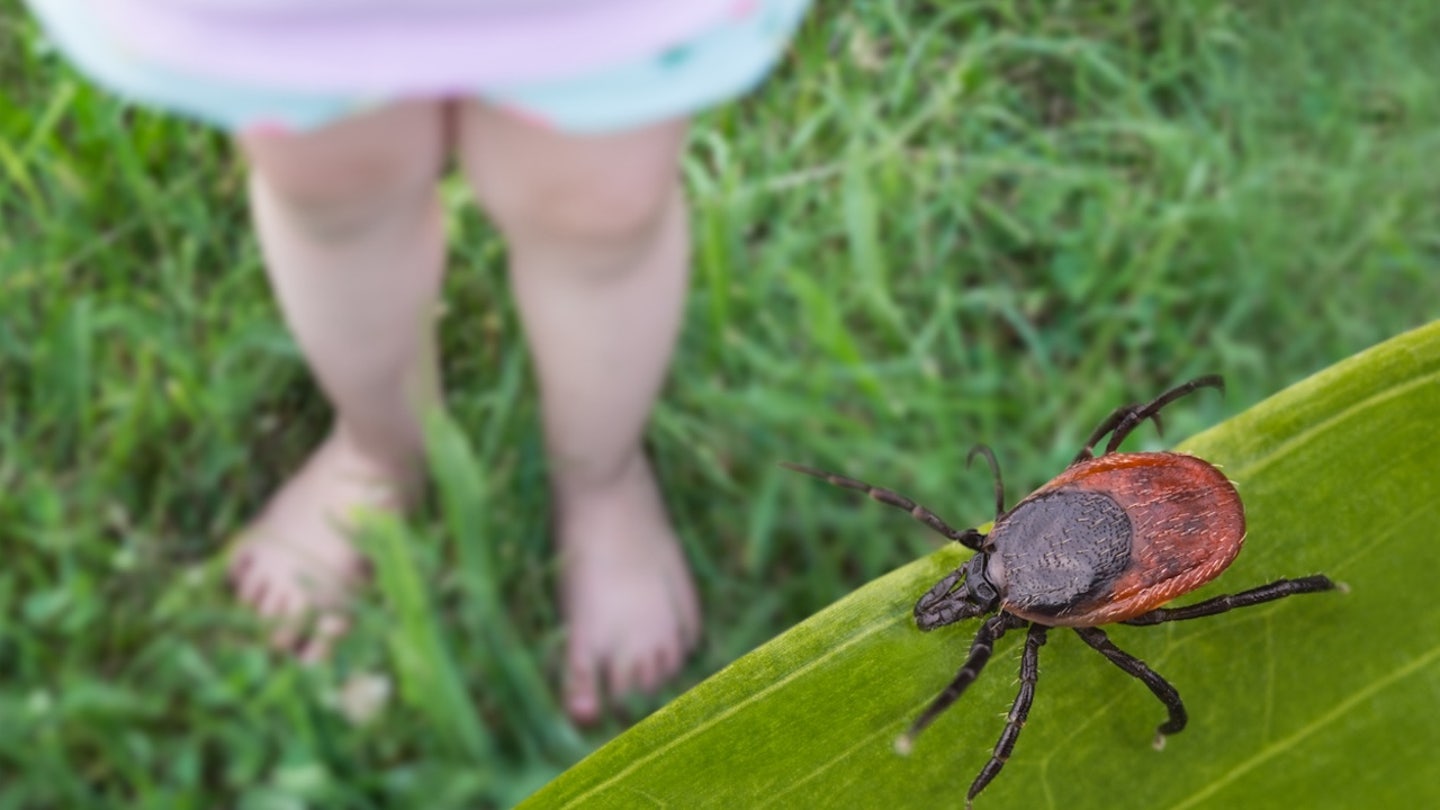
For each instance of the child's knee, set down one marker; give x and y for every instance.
(343, 176)
(584, 214)
(600, 192)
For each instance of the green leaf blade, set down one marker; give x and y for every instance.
(1323, 700)
(742, 720)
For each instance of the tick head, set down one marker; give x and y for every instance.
(964, 594)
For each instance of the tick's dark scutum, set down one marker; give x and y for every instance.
(1060, 547)
(1186, 525)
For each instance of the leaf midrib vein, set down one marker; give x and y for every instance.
(1277, 748)
(1307, 435)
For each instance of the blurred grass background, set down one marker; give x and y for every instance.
(939, 223)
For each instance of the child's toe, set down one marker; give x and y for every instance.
(582, 691)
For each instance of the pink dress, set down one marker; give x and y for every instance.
(402, 46)
(577, 65)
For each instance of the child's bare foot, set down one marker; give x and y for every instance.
(294, 565)
(627, 593)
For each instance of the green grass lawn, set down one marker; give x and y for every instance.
(940, 223)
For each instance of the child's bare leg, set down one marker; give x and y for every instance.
(596, 228)
(351, 231)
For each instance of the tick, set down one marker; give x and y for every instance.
(1109, 540)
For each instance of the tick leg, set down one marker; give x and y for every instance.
(989, 455)
(1116, 417)
(1126, 418)
(1135, 418)
(1278, 589)
(1029, 673)
(1161, 688)
(980, 649)
(968, 538)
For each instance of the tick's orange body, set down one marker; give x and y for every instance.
(1186, 526)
